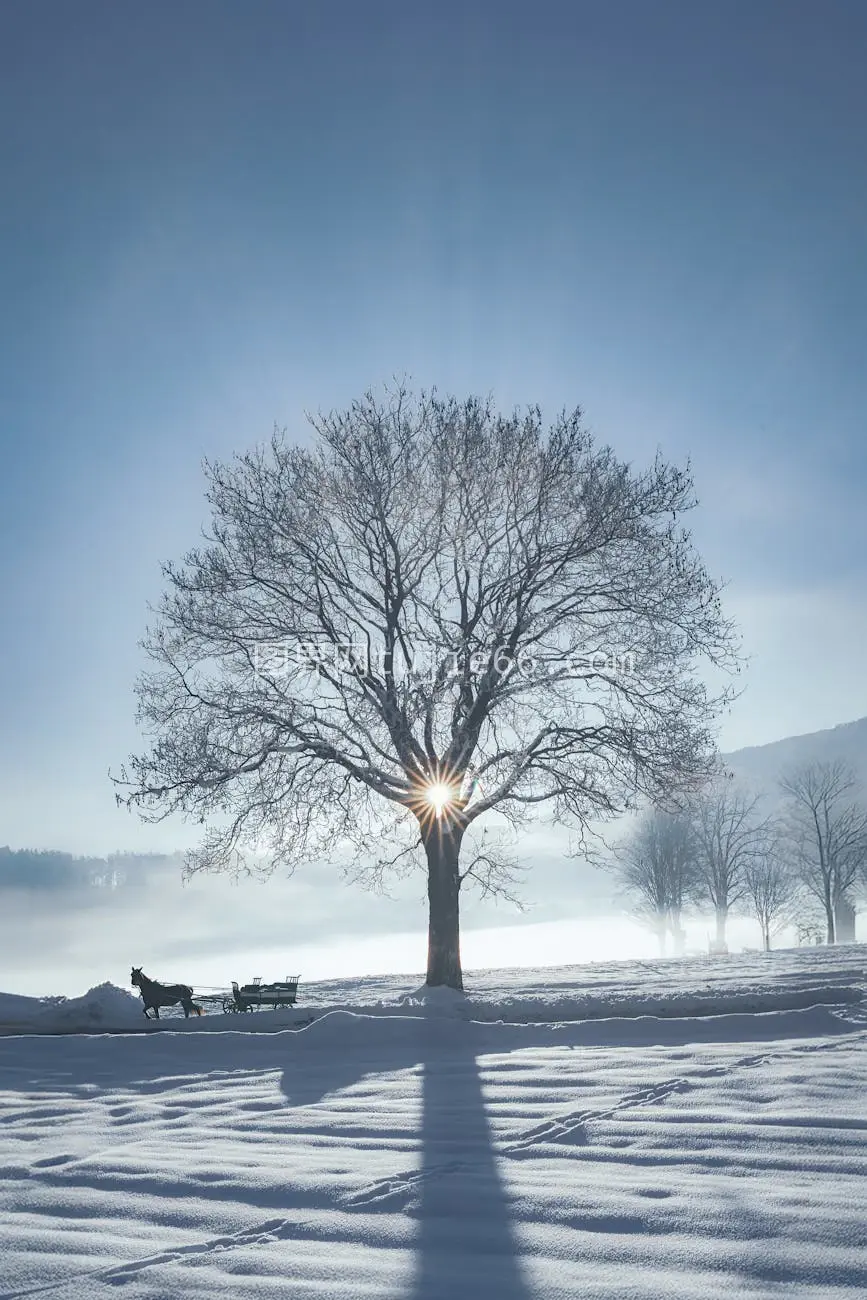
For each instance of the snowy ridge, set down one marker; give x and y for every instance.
(779, 981)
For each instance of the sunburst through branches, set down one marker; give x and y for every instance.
(438, 797)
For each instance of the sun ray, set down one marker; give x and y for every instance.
(437, 795)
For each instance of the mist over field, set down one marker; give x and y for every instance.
(67, 921)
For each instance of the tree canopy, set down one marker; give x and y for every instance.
(432, 612)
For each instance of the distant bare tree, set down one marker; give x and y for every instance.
(655, 866)
(809, 926)
(425, 616)
(728, 835)
(771, 887)
(826, 828)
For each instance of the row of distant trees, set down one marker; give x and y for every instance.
(722, 850)
(53, 870)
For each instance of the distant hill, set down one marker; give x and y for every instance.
(760, 766)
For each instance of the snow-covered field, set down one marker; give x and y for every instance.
(670, 1129)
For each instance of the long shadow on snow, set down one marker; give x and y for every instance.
(466, 1247)
(464, 1243)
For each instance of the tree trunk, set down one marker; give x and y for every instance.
(661, 931)
(442, 846)
(830, 919)
(766, 937)
(721, 918)
(678, 935)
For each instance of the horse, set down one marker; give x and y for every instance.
(157, 995)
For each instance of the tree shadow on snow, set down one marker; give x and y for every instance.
(463, 1241)
(466, 1246)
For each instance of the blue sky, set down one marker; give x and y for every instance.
(218, 215)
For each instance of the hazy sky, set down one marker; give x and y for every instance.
(217, 215)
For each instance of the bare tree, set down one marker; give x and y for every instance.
(655, 866)
(827, 830)
(808, 924)
(771, 887)
(728, 835)
(426, 615)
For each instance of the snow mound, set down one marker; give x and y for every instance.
(439, 1001)
(16, 1009)
(104, 1007)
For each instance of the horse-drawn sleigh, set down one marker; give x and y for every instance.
(252, 997)
(246, 997)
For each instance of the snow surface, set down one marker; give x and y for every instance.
(423, 1145)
